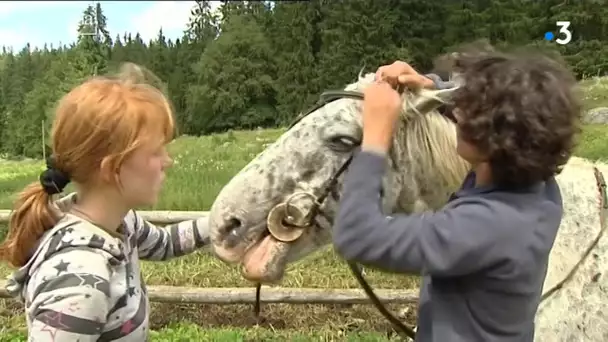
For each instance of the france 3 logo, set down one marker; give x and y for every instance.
(564, 33)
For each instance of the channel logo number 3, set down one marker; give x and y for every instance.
(564, 35)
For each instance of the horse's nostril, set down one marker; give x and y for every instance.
(231, 231)
(232, 226)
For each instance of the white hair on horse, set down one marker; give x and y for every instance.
(134, 73)
(579, 310)
(426, 139)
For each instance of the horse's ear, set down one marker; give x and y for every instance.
(429, 100)
(360, 74)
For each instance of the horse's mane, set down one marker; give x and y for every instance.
(428, 142)
(135, 73)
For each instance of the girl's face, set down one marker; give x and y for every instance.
(142, 174)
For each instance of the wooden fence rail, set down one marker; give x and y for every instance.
(156, 217)
(243, 295)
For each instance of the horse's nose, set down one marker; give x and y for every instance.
(230, 226)
(228, 243)
(230, 231)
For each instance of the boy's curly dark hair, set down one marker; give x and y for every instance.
(521, 111)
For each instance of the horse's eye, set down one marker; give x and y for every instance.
(342, 143)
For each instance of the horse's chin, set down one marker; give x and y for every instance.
(265, 261)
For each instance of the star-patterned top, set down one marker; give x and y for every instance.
(84, 284)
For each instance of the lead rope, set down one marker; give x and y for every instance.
(257, 305)
(601, 185)
(402, 330)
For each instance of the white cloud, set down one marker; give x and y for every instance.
(11, 7)
(16, 38)
(28, 28)
(12, 38)
(72, 29)
(171, 16)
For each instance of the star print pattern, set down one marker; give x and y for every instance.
(120, 303)
(96, 241)
(52, 323)
(56, 238)
(64, 243)
(127, 327)
(62, 266)
(79, 267)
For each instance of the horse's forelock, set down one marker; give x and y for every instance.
(428, 140)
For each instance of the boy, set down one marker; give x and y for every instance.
(483, 257)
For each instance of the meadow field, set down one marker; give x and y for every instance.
(202, 166)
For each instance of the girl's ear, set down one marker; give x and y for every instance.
(108, 172)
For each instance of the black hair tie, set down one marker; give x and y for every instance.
(52, 179)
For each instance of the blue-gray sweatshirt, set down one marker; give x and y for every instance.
(483, 257)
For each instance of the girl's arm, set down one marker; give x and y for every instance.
(162, 243)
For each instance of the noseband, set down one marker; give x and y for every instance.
(301, 222)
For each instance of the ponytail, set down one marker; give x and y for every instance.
(31, 217)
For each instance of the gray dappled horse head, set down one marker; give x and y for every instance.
(424, 170)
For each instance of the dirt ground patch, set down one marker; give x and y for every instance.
(279, 316)
(340, 318)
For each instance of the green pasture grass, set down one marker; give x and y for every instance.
(187, 332)
(595, 92)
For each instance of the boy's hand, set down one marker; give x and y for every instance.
(381, 107)
(401, 73)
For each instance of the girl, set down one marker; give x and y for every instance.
(79, 257)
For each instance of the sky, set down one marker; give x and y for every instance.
(55, 22)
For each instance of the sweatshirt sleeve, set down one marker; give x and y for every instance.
(453, 241)
(162, 243)
(69, 296)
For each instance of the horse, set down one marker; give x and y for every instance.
(257, 217)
